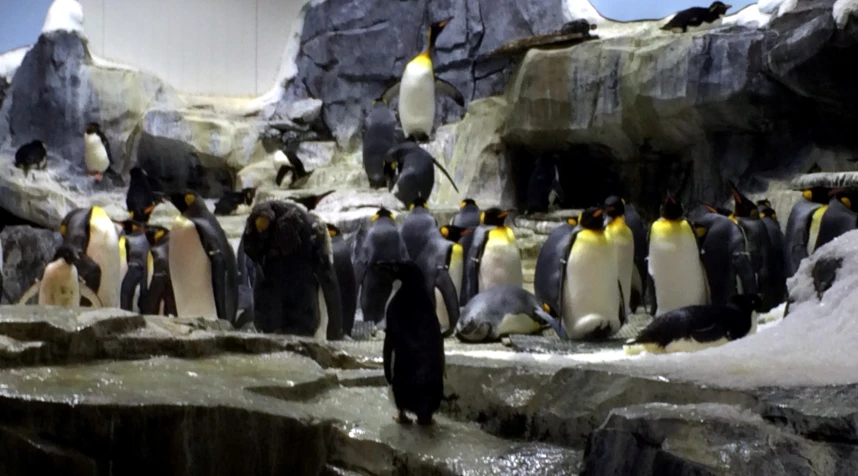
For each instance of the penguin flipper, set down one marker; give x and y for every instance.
(327, 279)
(624, 317)
(444, 283)
(447, 89)
(87, 293)
(446, 174)
(132, 279)
(219, 283)
(29, 293)
(387, 359)
(391, 92)
(554, 323)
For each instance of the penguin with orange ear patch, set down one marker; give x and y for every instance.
(724, 254)
(839, 218)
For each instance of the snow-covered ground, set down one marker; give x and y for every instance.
(64, 15)
(842, 10)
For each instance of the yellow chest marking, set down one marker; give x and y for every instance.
(123, 254)
(618, 228)
(664, 228)
(423, 60)
(502, 235)
(458, 254)
(817, 214)
(591, 238)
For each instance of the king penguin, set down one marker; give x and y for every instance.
(548, 277)
(417, 88)
(159, 299)
(493, 258)
(342, 250)
(803, 226)
(622, 239)
(96, 151)
(838, 219)
(674, 261)
(441, 262)
(202, 262)
(760, 249)
(468, 216)
(639, 277)
(135, 282)
(418, 227)
(60, 284)
(93, 233)
(409, 172)
(501, 311)
(592, 305)
(724, 254)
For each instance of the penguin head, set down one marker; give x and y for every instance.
(333, 231)
(380, 100)
(131, 226)
(383, 213)
(743, 207)
(719, 7)
(249, 195)
(93, 128)
(848, 199)
(671, 209)
(592, 218)
(435, 29)
(765, 203)
(468, 202)
(185, 201)
(768, 212)
(156, 234)
(747, 302)
(67, 253)
(615, 206)
(494, 217)
(454, 233)
(418, 202)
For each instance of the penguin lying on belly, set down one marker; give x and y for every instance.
(693, 328)
(501, 311)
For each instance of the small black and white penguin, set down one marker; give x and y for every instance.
(501, 311)
(231, 200)
(417, 88)
(379, 136)
(93, 234)
(96, 151)
(418, 227)
(295, 170)
(297, 290)
(140, 267)
(678, 276)
(381, 242)
(32, 155)
(839, 218)
(159, 299)
(342, 250)
(724, 254)
(543, 187)
(61, 285)
(413, 347)
(202, 262)
(802, 228)
(409, 172)
(548, 276)
(622, 238)
(139, 201)
(694, 328)
(591, 300)
(493, 258)
(696, 16)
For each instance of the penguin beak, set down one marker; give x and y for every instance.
(503, 214)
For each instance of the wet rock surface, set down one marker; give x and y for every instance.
(87, 392)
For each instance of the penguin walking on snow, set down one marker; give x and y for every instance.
(674, 261)
(417, 88)
(61, 285)
(494, 257)
(802, 227)
(379, 136)
(32, 155)
(96, 151)
(694, 328)
(342, 250)
(410, 174)
(202, 262)
(696, 16)
(413, 346)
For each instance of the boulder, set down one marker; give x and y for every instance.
(349, 53)
(26, 252)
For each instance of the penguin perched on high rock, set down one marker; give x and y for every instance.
(294, 169)
(93, 234)
(202, 262)
(591, 300)
(417, 88)
(693, 328)
(61, 285)
(803, 224)
(409, 172)
(442, 263)
(725, 257)
(381, 242)
(678, 276)
(96, 151)
(140, 201)
(32, 155)
(379, 136)
(297, 292)
(622, 239)
(418, 227)
(342, 250)
(493, 258)
(159, 298)
(413, 351)
(501, 311)
(696, 16)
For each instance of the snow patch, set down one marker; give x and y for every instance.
(750, 17)
(64, 15)
(11, 61)
(108, 64)
(776, 8)
(582, 9)
(842, 10)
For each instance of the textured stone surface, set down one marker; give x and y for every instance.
(26, 252)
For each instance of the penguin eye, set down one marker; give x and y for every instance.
(189, 199)
(63, 230)
(262, 223)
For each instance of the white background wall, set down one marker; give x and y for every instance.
(211, 47)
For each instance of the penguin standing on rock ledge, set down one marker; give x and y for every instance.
(96, 151)
(696, 16)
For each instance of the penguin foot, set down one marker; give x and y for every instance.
(402, 419)
(97, 176)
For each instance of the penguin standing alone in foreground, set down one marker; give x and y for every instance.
(202, 262)
(417, 88)
(96, 151)
(93, 234)
(803, 227)
(31, 155)
(410, 174)
(693, 328)
(696, 16)
(413, 346)
(674, 261)
(60, 284)
(342, 250)
(622, 239)
(379, 136)
(592, 305)
(494, 257)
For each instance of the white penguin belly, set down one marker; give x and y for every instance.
(674, 263)
(190, 271)
(500, 264)
(591, 298)
(441, 311)
(623, 243)
(417, 98)
(103, 248)
(95, 154)
(691, 345)
(322, 331)
(59, 286)
(516, 324)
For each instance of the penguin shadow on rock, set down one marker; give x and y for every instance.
(417, 88)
